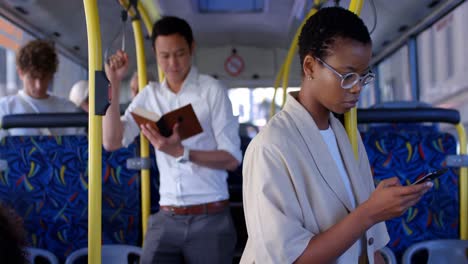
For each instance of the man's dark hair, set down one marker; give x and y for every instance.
(172, 25)
(37, 58)
(12, 237)
(321, 30)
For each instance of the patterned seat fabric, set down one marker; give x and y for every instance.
(47, 184)
(409, 153)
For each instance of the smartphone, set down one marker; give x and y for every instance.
(431, 176)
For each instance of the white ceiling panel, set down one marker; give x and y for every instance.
(272, 28)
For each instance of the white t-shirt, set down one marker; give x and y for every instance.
(330, 139)
(22, 103)
(187, 183)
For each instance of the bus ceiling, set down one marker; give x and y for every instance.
(263, 24)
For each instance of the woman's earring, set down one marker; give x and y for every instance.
(309, 78)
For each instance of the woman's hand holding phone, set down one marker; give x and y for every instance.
(390, 199)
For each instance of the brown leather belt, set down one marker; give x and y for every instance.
(208, 208)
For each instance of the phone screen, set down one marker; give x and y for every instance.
(431, 176)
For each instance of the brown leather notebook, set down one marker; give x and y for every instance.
(189, 125)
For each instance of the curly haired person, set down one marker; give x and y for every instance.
(36, 64)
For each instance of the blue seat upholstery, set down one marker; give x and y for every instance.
(46, 182)
(409, 153)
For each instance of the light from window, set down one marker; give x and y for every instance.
(253, 105)
(230, 6)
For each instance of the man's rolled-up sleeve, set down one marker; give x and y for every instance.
(225, 124)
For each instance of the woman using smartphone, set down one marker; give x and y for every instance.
(306, 198)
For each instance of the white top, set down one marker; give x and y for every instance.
(330, 140)
(22, 103)
(188, 183)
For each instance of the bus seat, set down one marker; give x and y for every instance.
(136, 164)
(34, 253)
(438, 251)
(115, 254)
(121, 198)
(401, 104)
(46, 182)
(400, 127)
(409, 154)
(388, 255)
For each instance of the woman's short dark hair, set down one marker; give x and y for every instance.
(169, 25)
(38, 58)
(321, 30)
(12, 237)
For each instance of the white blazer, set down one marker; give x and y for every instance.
(293, 190)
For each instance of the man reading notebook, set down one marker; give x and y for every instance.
(194, 203)
(185, 116)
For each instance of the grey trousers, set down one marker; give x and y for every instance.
(192, 239)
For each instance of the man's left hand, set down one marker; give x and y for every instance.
(170, 145)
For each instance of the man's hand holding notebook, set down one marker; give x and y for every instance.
(189, 125)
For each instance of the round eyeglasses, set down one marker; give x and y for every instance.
(350, 79)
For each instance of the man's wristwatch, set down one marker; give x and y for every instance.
(185, 156)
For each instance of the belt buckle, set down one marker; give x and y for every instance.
(181, 209)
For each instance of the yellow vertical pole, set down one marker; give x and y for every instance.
(355, 6)
(463, 185)
(351, 117)
(290, 56)
(95, 135)
(142, 81)
(145, 18)
(283, 74)
(149, 28)
(275, 88)
(144, 146)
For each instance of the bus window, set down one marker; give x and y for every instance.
(253, 105)
(394, 79)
